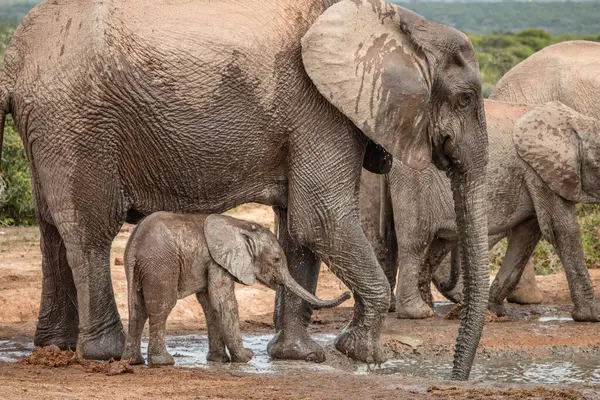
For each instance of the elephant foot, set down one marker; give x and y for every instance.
(587, 313)
(497, 308)
(219, 356)
(297, 345)
(133, 354)
(414, 310)
(160, 359)
(242, 356)
(50, 337)
(361, 345)
(531, 296)
(103, 345)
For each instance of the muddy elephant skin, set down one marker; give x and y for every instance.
(543, 160)
(170, 256)
(196, 107)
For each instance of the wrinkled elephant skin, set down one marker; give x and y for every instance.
(196, 107)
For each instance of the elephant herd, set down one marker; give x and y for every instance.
(196, 107)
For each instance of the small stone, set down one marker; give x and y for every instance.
(119, 261)
(410, 341)
(118, 367)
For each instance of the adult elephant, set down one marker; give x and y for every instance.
(200, 106)
(565, 72)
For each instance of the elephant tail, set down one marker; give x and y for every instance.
(4, 110)
(134, 289)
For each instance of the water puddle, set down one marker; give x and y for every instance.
(190, 351)
(580, 369)
(14, 351)
(550, 319)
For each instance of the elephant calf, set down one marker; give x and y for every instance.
(542, 161)
(170, 256)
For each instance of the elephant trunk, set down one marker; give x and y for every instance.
(298, 290)
(469, 190)
(449, 285)
(4, 109)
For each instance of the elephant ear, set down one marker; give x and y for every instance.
(230, 245)
(365, 57)
(554, 139)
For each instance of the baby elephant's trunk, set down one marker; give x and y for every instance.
(317, 303)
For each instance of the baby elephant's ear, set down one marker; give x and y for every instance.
(230, 246)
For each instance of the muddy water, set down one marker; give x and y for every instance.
(190, 351)
(580, 369)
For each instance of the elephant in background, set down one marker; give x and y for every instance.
(543, 160)
(196, 107)
(565, 72)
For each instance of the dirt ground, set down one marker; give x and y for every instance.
(523, 336)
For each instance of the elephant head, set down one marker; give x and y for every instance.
(563, 147)
(413, 87)
(250, 252)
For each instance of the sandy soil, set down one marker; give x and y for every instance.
(20, 286)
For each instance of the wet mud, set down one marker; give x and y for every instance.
(535, 352)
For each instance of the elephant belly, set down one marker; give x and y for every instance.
(509, 211)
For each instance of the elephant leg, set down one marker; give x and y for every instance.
(292, 314)
(437, 251)
(138, 315)
(358, 269)
(160, 297)
(409, 302)
(58, 321)
(567, 241)
(157, 348)
(522, 240)
(526, 291)
(221, 296)
(88, 225)
(323, 212)
(216, 343)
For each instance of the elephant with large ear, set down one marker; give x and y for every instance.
(565, 72)
(170, 256)
(199, 106)
(543, 160)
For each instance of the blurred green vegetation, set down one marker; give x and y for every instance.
(546, 260)
(560, 17)
(16, 200)
(497, 53)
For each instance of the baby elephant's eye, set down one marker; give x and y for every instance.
(276, 259)
(465, 100)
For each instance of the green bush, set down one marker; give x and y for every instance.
(16, 200)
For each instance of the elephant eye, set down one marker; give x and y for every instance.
(464, 100)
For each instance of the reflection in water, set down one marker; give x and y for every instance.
(578, 369)
(549, 319)
(190, 351)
